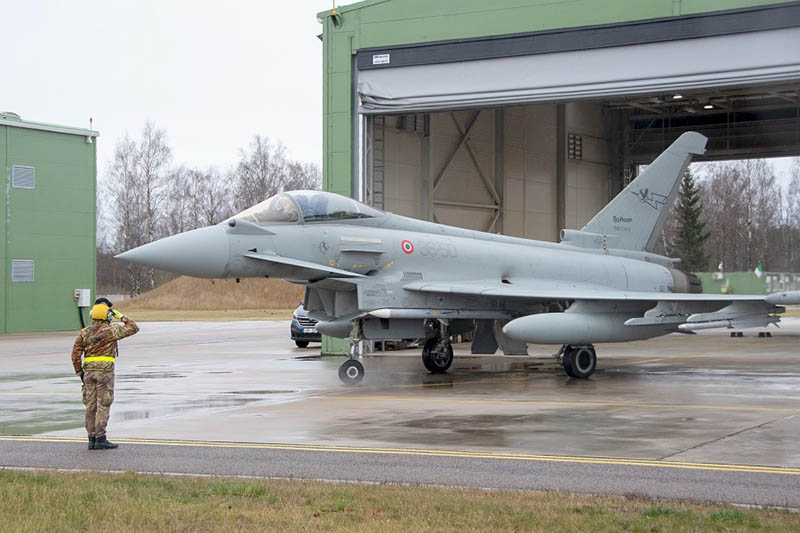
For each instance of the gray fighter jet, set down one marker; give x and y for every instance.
(375, 275)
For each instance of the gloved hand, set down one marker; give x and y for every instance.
(117, 314)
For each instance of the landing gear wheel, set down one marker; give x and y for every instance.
(351, 372)
(301, 344)
(580, 361)
(437, 359)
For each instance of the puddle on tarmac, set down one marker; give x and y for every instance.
(148, 375)
(481, 430)
(257, 392)
(33, 377)
(217, 402)
(30, 422)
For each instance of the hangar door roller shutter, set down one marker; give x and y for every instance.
(727, 60)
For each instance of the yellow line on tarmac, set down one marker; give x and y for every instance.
(435, 453)
(559, 403)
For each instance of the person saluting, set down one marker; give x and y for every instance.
(97, 344)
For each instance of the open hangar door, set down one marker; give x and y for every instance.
(528, 134)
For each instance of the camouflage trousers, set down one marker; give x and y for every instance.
(98, 394)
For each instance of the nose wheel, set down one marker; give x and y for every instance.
(351, 372)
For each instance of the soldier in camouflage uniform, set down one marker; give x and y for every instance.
(97, 343)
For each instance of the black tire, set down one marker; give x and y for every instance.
(565, 362)
(301, 344)
(351, 372)
(436, 363)
(580, 361)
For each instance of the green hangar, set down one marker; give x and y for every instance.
(527, 116)
(47, 224)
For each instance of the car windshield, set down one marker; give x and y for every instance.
(279, 208)
(318, 205)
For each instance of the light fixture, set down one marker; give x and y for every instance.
(574, 146)
(708, 106)
(677, 97)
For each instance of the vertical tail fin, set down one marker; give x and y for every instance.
(637, 214)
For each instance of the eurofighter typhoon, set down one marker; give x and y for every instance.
(375, 275)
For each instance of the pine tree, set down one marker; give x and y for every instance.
(691, 234)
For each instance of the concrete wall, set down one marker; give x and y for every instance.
(529, 170)
(515, 150)
(52, 224)
(588, 180)
(403, 190)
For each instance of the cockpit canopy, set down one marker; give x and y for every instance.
(307, 206)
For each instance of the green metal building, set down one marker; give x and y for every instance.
(47, 223)
(527, 116)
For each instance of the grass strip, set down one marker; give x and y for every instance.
(46, 501)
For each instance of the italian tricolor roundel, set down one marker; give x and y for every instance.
(408, 248)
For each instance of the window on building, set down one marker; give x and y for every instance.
(23, 177)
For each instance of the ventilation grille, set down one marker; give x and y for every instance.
(23, 177)
(22, 270)
(411, 276)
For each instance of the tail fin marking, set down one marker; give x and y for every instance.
(636, 216)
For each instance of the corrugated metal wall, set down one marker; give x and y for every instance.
(52, 224)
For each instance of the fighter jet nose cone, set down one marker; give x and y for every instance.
(202, 253)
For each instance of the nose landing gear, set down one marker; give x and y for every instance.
(351, 372)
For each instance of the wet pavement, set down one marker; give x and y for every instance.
(698, 398)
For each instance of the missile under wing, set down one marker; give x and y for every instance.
(374, 275)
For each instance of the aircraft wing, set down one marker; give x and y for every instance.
(547, 292)
(686, 311)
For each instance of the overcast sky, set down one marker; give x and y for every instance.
(211, 73)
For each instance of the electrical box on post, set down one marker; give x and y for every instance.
(83, 297)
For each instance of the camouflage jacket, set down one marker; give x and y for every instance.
(100, 339)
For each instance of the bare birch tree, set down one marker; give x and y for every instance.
(260, 172)
(135, 187)
(742, 202)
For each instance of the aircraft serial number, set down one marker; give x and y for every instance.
(441, 249)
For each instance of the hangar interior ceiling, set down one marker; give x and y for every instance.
(741, 122)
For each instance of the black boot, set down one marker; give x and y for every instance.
(102, 443)
(91, 443)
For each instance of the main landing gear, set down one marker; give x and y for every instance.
(578, 361)
(437, 353)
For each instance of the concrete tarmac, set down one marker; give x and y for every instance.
(694, 399)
